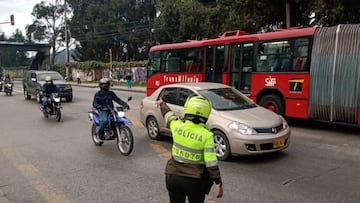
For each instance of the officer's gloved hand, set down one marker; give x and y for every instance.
(127, 107)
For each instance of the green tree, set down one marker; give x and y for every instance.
(123, 26)
(48, 25)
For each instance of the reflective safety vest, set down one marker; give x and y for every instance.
(192, 143)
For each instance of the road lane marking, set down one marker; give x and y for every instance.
(160, 150)
(135, 121)
(31, 173)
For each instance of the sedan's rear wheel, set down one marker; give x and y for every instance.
(153, 128)
(222, 146)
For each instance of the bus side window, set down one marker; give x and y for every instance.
(172, 63)
(301, 54)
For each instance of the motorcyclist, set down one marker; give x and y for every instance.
(48, 88)
(103, 103)
(193, 166)
(7, 79)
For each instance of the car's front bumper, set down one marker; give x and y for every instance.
(259, 144)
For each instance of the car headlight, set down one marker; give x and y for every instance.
(241, 128)
(284, 123)
(68, 86)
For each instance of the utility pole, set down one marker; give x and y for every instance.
(110, 66)
(288, 19)
(67, 61)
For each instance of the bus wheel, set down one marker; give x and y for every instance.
(273, 103)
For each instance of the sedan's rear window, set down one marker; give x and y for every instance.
(227, 99)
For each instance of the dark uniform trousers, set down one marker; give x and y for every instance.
(180, 186)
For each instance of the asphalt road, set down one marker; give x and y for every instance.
(42, 160)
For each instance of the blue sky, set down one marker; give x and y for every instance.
(21, 9)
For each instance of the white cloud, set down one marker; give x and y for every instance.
(21, 9)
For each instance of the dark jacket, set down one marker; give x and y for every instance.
(104, 100)
(48, 89)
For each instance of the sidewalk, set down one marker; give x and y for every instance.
(114, 87)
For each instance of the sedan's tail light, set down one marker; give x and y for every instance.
(141, 105)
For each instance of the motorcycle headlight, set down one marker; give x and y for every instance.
(242, 128)
(121, 114)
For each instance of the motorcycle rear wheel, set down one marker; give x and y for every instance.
(125, 139)
(58, 114)
(94, 136)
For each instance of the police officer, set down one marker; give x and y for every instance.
(193, 153)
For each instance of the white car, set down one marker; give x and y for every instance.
(240, 126)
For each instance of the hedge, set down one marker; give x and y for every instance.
(91, 65)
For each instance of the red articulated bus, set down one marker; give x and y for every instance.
(310, 73)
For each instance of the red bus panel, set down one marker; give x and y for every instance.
(158, 80)
(292, 88)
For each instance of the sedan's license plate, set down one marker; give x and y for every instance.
(279, 143)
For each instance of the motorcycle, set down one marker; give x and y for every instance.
(53, 107)
(8, 88)
(1, 85)
(117, 128)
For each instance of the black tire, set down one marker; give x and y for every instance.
(58, 114)
(94, 136)
(69, 98)
(46, 115)
(153, 128)
(26, 94)
(125, 139)
(222, 146)
(273, 103)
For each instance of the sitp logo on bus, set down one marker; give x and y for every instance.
(270, 82)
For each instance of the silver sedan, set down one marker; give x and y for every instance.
(240, 126)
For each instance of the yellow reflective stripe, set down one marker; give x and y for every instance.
(181, 160)
(187, 148)
(169, 116)
(209, 149)
(186, 154)
(211, 163)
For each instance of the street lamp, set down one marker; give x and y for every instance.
(12, 21)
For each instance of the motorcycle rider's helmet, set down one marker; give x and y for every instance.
(104, 84)
(197, 109)
(48, 79)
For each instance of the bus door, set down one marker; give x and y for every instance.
(241, 66)
(215, 63)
